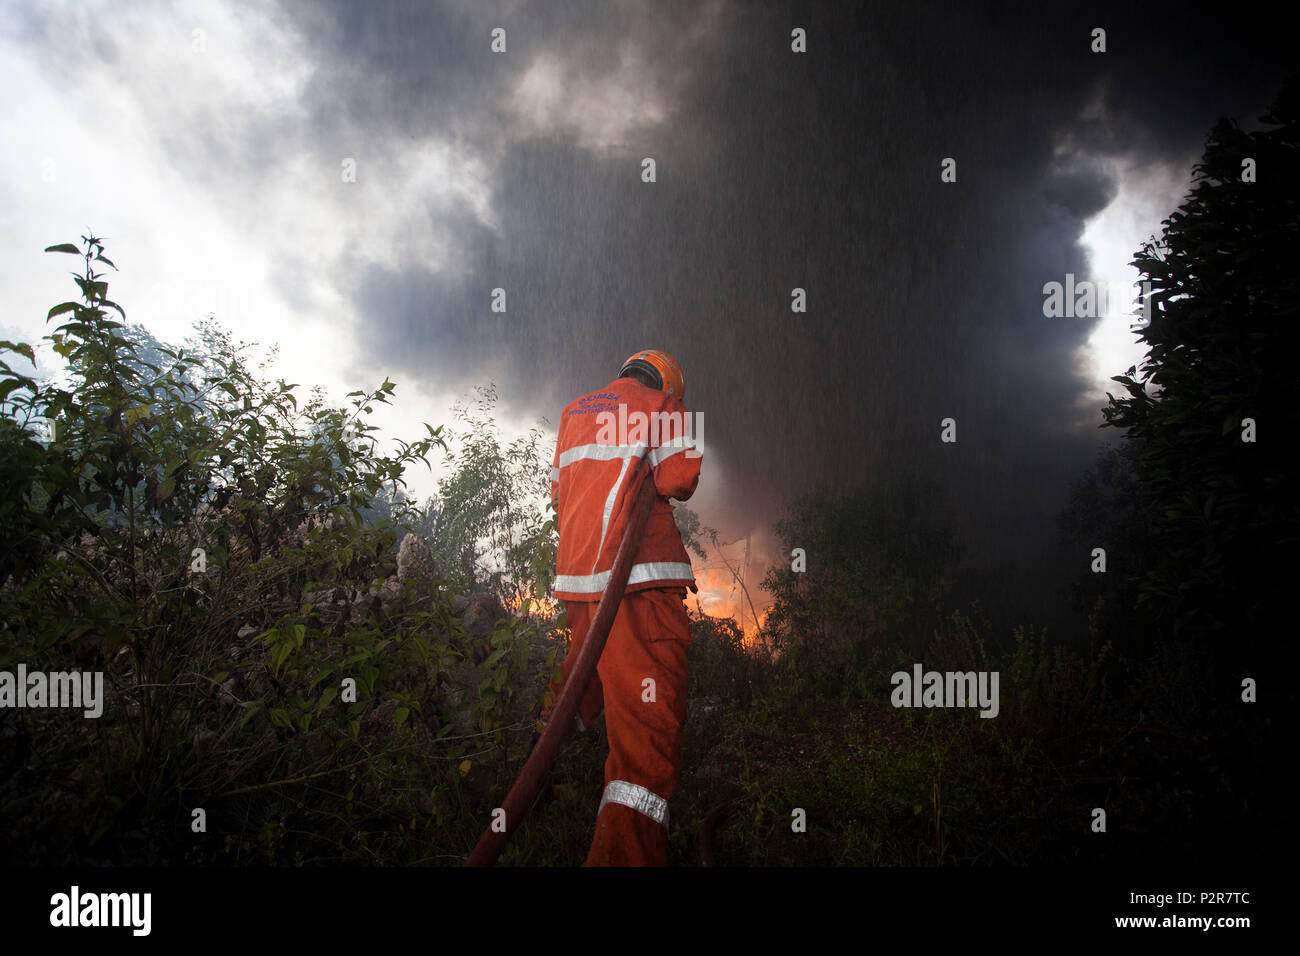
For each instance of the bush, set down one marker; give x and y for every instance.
(203, 547)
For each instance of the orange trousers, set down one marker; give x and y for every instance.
(640, 683)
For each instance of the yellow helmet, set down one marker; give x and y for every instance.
(661, 367)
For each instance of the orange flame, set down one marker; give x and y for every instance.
(539, 607)
(721, 596)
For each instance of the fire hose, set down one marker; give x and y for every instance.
(529, 782)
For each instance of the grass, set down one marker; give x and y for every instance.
(884, 787)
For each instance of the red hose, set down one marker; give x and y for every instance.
(522, 794)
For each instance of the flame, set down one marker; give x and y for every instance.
(721, 596)
(546, 607)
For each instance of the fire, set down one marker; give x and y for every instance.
(539, 607)
(721, 596)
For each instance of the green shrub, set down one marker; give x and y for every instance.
(202, 546)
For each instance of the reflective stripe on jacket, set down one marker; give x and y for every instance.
(601, 443)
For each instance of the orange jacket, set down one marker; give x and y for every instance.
(603, 437)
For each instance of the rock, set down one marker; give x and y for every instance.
(384, 592)
(481, 614)
(415, 561)
(317, 600)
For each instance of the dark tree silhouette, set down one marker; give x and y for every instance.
(1223, 337)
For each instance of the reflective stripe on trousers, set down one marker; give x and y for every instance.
(638, 798)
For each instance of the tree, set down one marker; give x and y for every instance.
(490, 524)
(1222, 299)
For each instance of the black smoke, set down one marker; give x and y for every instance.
(779, 170)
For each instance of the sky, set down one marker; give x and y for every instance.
(351, 181)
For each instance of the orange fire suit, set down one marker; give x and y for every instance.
(640, 681)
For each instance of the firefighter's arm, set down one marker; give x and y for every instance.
(676, 460)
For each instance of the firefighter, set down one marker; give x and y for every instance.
(640, 681)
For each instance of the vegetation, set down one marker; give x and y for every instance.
(204, 546)
(1222, 297)
(228, 561)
